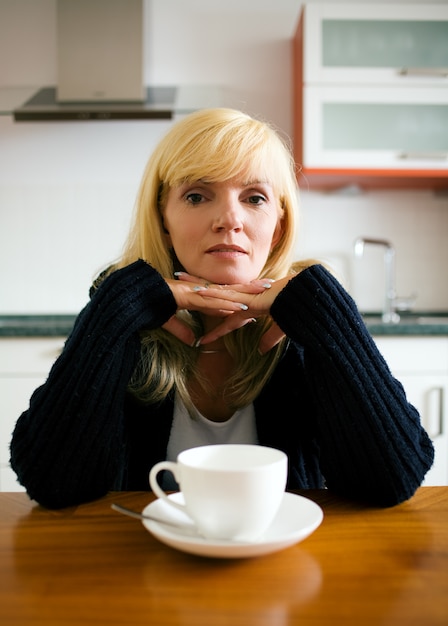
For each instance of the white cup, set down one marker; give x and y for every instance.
(230, 491)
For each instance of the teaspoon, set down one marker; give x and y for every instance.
(188, 529)
(136, 515)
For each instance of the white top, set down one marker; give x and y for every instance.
(188, 432)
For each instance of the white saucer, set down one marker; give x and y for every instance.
(297, 518)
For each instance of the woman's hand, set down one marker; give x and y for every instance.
(237, 304)
(258, 305)
(196, 294)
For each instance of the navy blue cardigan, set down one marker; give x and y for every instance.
(332, 404)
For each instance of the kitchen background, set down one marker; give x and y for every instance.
(67, 189)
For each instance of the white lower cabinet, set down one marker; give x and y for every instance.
(24, 365)
(421, 365)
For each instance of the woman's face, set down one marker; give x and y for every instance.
(223, 231)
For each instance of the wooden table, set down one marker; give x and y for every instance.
(90, 565)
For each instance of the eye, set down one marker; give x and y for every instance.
(194, 197)
(256, 199)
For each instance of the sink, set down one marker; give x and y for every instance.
(432, 320)
(410, 319)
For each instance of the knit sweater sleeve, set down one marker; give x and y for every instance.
(68, 447)
(371, 441)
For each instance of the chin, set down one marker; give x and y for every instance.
(234, 279)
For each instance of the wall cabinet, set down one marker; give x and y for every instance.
(24, 365)
(421, 365)
(370, 85)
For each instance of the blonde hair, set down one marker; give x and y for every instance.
(213, 144)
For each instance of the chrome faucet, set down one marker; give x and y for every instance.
(390, 315)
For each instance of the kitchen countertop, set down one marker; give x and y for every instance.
(414, 323)
(36, 325)
(425, 323)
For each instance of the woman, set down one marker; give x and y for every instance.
(206, 332)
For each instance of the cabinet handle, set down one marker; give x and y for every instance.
(438, 392)
(426, 156)
(440, 72)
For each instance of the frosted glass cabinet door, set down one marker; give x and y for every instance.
(387, 44)
(388, 128)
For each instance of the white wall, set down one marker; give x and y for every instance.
(67, 189)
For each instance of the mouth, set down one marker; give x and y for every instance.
(225, 249)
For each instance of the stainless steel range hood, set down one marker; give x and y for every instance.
(159, 103)
(100, 69)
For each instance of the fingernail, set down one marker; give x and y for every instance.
(252, 319)
(267, 285)
(244, 307)
(178, 273)
(197, 343)
(199, 288)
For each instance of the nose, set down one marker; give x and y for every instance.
(228, 216)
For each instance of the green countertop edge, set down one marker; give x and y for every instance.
(407, 330)
(55, 325)
(407, 327)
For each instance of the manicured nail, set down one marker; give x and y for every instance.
(197, 343)
(267, 285)
(244, 307)
(199, 288)
(178, 273)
